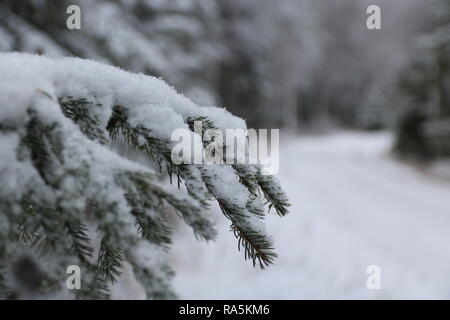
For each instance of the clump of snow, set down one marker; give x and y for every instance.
(82, 78)
(14, 175)
(226, 184)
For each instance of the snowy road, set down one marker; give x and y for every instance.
(352, 206)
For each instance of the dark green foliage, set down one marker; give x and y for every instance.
(96, 287)
(154, 283)
(410, 136)
(81, 242)
(257, 247)
(109, 260)
(4, 290)
(80, 111)
(44, 146)
(423, 132)
(273, 193)
(157, 149)
(151, 226)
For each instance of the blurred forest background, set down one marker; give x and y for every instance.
(295, 64)
(305, 66)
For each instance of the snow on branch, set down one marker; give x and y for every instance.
(61, 175)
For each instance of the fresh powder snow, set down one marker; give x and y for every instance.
(353, 206)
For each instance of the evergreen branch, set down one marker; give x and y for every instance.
(80, 240)
(95, 285)
(195, 186)
(158, 149)
(152, 194)
(257, 247)
(156, 284)
(273, 193)
(49, 213)
(191, 214)
(250, 175)
(151, 225)
(80, 111)
(29, 229)
(255, 206)
(36, 143)
(51, 237)
(109, 260)
(247, 177)
(207, 124)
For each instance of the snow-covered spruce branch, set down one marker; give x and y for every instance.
(68, 196)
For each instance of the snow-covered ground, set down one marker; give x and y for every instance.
(352, 206)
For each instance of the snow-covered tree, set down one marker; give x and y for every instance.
(424, 128)
(68, 196)
(176, 40)
(269, 50)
